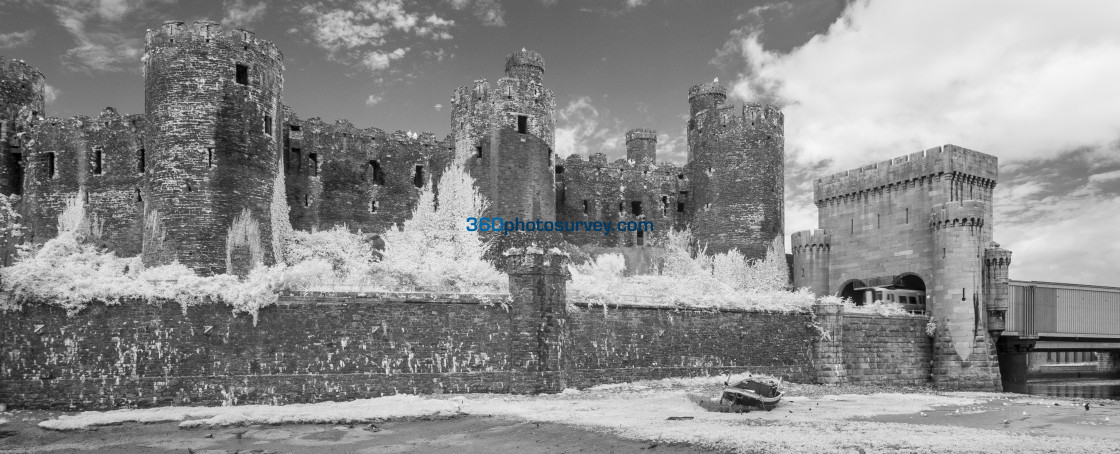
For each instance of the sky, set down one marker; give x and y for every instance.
(1034, 83)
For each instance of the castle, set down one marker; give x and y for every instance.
(217, 143)
(917, 229)
(217, 148)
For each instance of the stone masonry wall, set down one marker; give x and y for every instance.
(623, 344)
(886, 350)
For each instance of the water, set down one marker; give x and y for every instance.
(1075, 387)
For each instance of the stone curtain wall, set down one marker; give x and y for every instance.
(622, 344)
(314, 348)
(871, 349)
(887, 350)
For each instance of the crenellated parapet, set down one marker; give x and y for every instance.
(21, 102)
(807, 241)
(204, 34)
(967, 213)
(960, 166)
(641, 146)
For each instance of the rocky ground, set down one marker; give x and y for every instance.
(653, 416)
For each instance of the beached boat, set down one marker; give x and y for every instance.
(753, 392)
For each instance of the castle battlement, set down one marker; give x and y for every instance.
(807, 239)
(641, 134)
(965, 213)
(208, 33)
(959, 162)
(525, 62)
(713, 88)
(748, 116)
(19, 69)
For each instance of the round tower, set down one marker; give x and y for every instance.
(810, 260)
(506, 133)
(212, 100)
(997, 260)
(736, 171)
(641, 146)
(526, 65)
(21, 97)
(963, 354)
(705, 96)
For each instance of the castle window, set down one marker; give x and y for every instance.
(907, 215)
(559, 170)
(878, 221)
(268, 125)
(680, 176)
(372, 206)
(97, 160)
(664, 205)
(378, 176)
(139, 198)
(853, 225)
(294, 128)
(585, 206)
(306, 200)
(478, 151)
(418, 177)
(681, 199)
(140, 162)
(641, 238)
(522, 124)
(243, 74)
(50, 165)
(17, 175)
(209, 157)
(296, 156)
(313, 164)
(636, 207)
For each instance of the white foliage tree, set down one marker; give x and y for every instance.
(434, 248)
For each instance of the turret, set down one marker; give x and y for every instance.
(212, 98)
(21, 97)
(810, 260)
(641, 146)
(736, 172)
(526, 65)
(964, 356)
(705, 96)
(997, 260)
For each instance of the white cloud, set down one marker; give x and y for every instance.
(489, 12)
(377, 60)
(360, 34)
(581, 129)
(50, 94)
(438, 107)
(96, 26)
(15, 39)
(636, 3)
(1025, 81)
(239, 13)
(373, 100)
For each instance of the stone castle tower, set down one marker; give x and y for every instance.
(736, 171)
(917, 229)
(212, 99)
(505, 136)
(21, 98)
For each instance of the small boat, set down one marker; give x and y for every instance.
(753, 392)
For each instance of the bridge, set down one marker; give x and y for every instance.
(1045, 317)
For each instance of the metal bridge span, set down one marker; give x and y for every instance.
(1055, 317)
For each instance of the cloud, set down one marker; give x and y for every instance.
(359, 35)
(582, 129)
(438, 107)
(50, 93)
(373, 100)
(1022, 81)
(377, 60)
(489, 12)
(15, 39)
(97, 27)
(636, 3)
(239, 13)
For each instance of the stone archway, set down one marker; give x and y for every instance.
(848, 290)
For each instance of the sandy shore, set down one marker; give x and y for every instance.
(637, 417)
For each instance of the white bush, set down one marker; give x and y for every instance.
(434, 248)
(689, 279)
